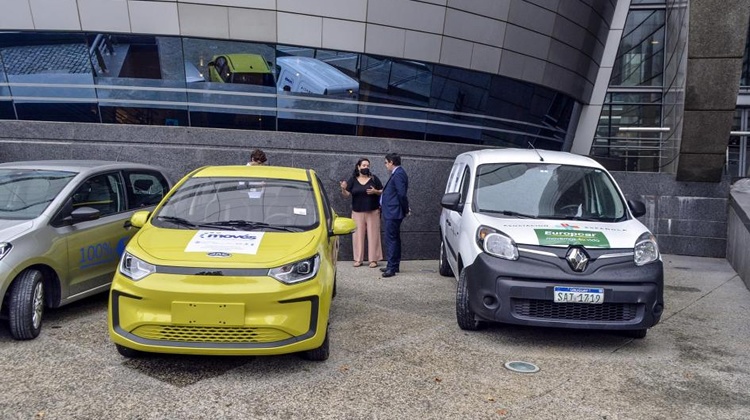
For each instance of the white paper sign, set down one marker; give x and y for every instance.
(237, 242)
(300, 211)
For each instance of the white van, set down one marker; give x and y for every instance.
(310, 75)
(544, 238)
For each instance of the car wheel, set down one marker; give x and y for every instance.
(334, 287)
(464, 315)
(444, 269)
(635, 333)
(26, 305)
(128, 352)
(321, 353)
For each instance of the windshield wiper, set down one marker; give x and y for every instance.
(177, 220)
(246, 224)
(508, 213)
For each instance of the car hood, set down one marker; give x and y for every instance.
(567, 232)
(222, 248)
(10, 229)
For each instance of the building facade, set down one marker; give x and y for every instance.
(183, 84)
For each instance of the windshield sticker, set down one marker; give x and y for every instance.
(224, 241)
(300, 211)
(571, 237)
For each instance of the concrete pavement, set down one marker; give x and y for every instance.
(398, 353)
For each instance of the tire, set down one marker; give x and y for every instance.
(334, 287)
(321, 353)
(444, 269)
(128, 352)
(26, 305)
(638, 334)
(466, 318)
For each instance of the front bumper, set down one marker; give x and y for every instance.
(218, 315)
(522, 291)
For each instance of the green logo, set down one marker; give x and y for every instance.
(571, 237)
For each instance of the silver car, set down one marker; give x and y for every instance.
(63, 227)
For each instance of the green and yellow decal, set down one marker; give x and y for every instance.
(571, 237)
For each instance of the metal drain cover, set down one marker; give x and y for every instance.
(522, 367)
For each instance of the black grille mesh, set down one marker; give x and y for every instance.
(188, 333)
(547, 309)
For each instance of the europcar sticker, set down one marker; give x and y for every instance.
(225, 241)
(571, 237)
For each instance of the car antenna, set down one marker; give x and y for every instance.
(541, 159)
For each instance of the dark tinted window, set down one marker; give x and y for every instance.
(145, 189)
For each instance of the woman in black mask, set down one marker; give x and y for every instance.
(365, 188)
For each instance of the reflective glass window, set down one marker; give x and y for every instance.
(236, 87)
(318, 90)
(140, 79)
(6, 105)
(640, 57)
(159, 80)
(49, 76)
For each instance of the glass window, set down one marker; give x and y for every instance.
(6, 105)
(317, 90)
(140, 79)
(50, 76)
(161, 80)
(145, 189)
(549, 191)
(240, 203)
(25, 193)
(101, 192)
(640, 57)
(238, 90)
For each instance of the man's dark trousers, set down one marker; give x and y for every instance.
(393, 243)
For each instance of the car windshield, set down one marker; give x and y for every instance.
(240, 204)
(547, 191)
(263, 79)
(26, 193)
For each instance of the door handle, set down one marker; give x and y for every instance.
(448, 222)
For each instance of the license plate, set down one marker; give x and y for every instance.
(578, 295)
(208, 314)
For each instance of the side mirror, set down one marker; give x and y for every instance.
(450, 201)
(343, 226)
(139, 218)
(84, 214)
(637, 207)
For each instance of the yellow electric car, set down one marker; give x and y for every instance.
(236, 260)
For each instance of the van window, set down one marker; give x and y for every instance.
(548, 191)
(454, 178)
(466, 178)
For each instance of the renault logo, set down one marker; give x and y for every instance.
(577, 259)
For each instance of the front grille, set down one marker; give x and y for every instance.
(194, 334)
(547, 309)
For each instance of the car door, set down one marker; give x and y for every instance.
(453, 218)
(93, 245)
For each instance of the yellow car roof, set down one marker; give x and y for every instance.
(256, 171)
(247, 63)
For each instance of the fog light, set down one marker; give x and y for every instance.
(489, 301)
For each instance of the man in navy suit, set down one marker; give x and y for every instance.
(394, 206)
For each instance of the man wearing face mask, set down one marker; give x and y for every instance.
(364, 188)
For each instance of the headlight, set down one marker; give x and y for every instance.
(496, 243)
(4, 249)
(297, 271)
(645, 250)
(135, 268)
